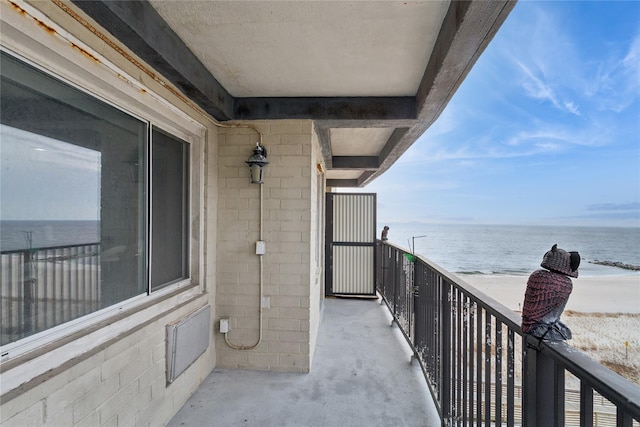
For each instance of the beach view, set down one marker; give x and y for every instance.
(603, 314)
(539, 146)
(603, 310)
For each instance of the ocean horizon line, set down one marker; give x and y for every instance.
(473, 224)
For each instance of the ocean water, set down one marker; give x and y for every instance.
(516, 250)
(462, 249)
(16, 235)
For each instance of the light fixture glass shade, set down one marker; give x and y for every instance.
(256, 173)
(256, 162)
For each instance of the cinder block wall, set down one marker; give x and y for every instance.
(287, 228)
(123, 383)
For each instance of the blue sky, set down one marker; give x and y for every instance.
(544, 130)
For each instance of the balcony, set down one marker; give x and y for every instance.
(431, 350)
(361, 375)
(479, 368)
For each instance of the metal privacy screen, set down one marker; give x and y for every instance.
(350, 240)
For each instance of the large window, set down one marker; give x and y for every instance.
(94, 203)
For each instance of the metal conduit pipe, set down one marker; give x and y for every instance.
(226, 337)
(260, 280)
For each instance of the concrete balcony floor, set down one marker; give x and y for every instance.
(362, 375)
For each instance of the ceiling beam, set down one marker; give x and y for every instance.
(355, 162)
(346, 109)
(389, 150)
(346, 183)
(141, 29)
(324, 139)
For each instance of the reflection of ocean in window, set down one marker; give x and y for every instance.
(47, 179)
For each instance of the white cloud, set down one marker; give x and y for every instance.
(617, 83)
(538, 88)
(629, 206)
(572, 108)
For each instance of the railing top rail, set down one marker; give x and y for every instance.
(497, 309)
(502, 313)
(47, 248)
(603, 380)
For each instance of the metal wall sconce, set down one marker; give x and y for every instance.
(256, 162)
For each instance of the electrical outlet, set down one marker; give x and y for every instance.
(224, 326)
(266, 302)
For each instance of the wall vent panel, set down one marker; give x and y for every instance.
(187, 339)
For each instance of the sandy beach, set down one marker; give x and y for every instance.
(603, 313)
(595, 294)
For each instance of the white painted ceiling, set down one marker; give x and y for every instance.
(324, 48)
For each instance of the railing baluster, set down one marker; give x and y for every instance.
(27, 293)
(479, 347)
(498, 376)
(35, 306)
(623, 419)
(453, 304)
(20, 294)
(487, 370)
(435, 335)
(465, 361)
(586, 405)
(44, 267)
(76, 297)
(510, 377)
(11, 297)
(458, 355)
(472, 311)
(441, 340)
(93, 279)
(54, 287)
(559, 395)
(445, 353)
(68, 281)
(396, 282)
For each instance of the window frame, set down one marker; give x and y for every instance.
(109, 83)
(187, 163)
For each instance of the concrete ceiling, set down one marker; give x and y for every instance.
(373, 75)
